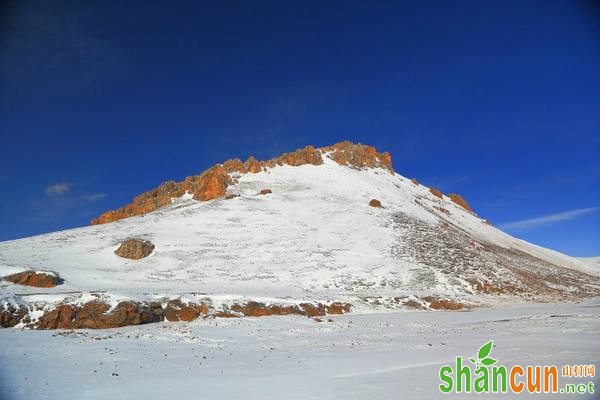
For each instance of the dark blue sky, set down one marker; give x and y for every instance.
(498, 101)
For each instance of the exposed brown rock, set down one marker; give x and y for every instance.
(93, 315)
(135, 249)
(176, 310)
(252, 165)
(283, 310)
(359, 155)
(265, 191)
(375, 203)
(251, 309)
(58, 318)
(34, 278)
(414, 181)
(225, 314)
(307, 155)
(11, 315)
(235, 165)
(313, 310)
(231, 196)
(338, 308)
(443, 304)
(144, 203)
(436, 192)
(213, 182)
(456, 198)
(90, 315)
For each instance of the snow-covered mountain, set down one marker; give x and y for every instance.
(314, 238)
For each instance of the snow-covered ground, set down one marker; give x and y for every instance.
(374, 356)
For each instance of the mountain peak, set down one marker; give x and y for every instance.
(213, 182)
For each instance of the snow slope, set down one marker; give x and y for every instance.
(314, 237)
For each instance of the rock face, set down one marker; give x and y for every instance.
(94, 315)
(59, 318)
(460, 201)
(213, 182)
(97, 314)
(375, 203)
(135, 249)
(11, 315)
(34, 278)
(176, 310)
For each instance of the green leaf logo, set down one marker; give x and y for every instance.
(482, 356)
(485, 350)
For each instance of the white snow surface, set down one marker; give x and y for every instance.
(314, 237)
(394, 355)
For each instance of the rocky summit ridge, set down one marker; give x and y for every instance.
(213, 182)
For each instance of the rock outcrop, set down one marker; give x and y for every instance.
(59, 318)
(12, 314)
(213, 182)
(39, 279)
(443, 304)
(135, 249)
(95, 315)
(176, 310)
(436, 192)
(265, 191)
(457, 199)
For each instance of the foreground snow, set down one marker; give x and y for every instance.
(374, 356)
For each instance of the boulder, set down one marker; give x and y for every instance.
(375, 203)
(265, 191)
(40, 279)
(135, 249)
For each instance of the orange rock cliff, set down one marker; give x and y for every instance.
(213, 182)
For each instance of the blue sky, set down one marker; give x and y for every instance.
(498, 101)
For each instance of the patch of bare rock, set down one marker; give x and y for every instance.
(97, 314)
(457, 199)
(265, 191)
(135, 249)
(375, 203)
(41, 279)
